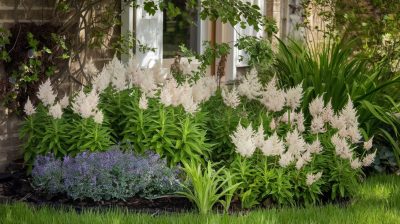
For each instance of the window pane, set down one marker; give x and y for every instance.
(182, 29)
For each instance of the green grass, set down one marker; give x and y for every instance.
(377, 201)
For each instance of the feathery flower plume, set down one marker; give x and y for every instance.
(273, 146)
(273, 98)
(327, 114)
(369, 159)
(312, 178)
(293, 96)
(286, 159)
(300, 122)
(90, 69)
(295, 142)
(314, 147)
(250, 86)
(259, 137)
(272, 124)
(231, 99)
(64, 102)
(102, 80)
(316, 107)
(86, 105)
(355, 163)
(342, 148)
(46, 94)
(29, 109)
(368, 144)
(117, 71)
(354, 134)
(55, 111)
(243, 140)
(143, 103)
(317, 125)
(98, 117)
(349, 114)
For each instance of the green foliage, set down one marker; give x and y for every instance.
(259, 51)
(4, 40)
(208, 186)
(337, 73)
(86, 134)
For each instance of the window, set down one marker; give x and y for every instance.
(182, 29)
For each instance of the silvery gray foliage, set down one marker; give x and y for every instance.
(106, 175)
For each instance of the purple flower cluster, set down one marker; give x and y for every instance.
(106, 175)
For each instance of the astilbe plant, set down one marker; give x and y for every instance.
(293, 160)
(105, 175)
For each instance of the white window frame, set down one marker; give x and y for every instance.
(129, 18)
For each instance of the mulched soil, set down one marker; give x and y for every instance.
(15, 186)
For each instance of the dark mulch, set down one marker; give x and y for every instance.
(15, 186)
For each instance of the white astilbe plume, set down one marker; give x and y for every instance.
(316, 107)
(349, 114)
(117, 71)
(286, 159)
(314, 147)
(312, 178)
(231, 99)
(327, 114)
(338, 122)
(303, 160)
(243, 140)
(354, 134)
(317, 125)
(204, 88)
(98, 117)
(64, 102)
(286, 116)
(86, 105)
(143, 102)
(90, 69)
(355, 163)
(295, 142)
(132, 70)
(369, 159)
(46, 94)
(29, 109)
(293, 96)
(148, 83)
(300, 122)
(102, 80)
(273, 146)
(55, 111)
(159, 73)
(272, 124)
(273, 98)
(368, 144)
(259, 137)
(250, 86)
(342, 148)
(165, 97)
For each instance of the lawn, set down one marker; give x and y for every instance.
(377, 201)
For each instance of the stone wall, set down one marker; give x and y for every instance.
(11, 12)
(37, 12)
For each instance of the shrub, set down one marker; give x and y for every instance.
(105, 175)
(336, 72)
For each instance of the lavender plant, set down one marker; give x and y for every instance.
(106, 175)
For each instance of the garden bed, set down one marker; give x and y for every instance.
(16, 186)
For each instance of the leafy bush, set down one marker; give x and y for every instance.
(105, 175)
(335, 72)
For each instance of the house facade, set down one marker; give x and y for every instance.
(155, 31)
